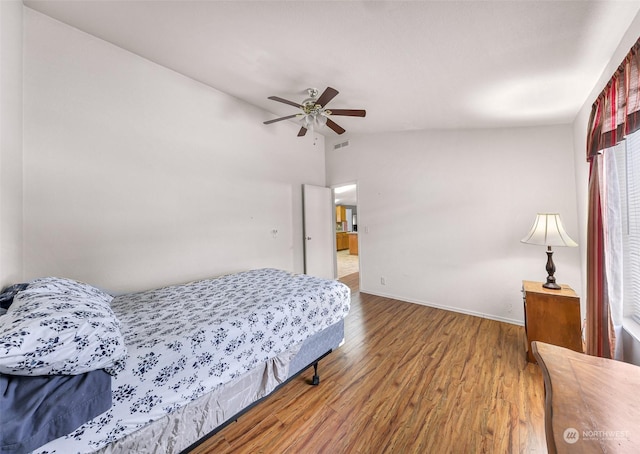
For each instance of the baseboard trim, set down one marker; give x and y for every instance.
(447, 308)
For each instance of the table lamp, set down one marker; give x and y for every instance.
(547, 230)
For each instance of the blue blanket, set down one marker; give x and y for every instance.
(36, 410)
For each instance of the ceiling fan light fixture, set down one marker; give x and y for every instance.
(313, 114)
(321, 119)
(314, 120)
(307, 121)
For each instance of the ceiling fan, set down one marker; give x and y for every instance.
(314, 112)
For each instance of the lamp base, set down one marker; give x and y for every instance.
(551, 269)
(551, 285)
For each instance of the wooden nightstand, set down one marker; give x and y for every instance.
(551, 316)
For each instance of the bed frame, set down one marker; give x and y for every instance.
(218, 409)
(331, 337)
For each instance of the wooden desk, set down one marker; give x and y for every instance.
(592, 405)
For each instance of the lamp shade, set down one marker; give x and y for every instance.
(547, 230)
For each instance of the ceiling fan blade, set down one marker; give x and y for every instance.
(327, 96)
(268, 122)
(286, 101)
(349, 112)
(336, 127)
(302, 131)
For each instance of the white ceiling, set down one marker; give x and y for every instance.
(346, 194)
(411, 65)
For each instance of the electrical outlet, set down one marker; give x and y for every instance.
(382, 281)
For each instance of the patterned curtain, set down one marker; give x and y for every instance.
(600, 338)
(616, 112)
(614, 115)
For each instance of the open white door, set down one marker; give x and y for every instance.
(318, 231)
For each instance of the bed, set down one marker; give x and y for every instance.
(183, 361)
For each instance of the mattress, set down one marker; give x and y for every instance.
(187, 426)
(186, 342)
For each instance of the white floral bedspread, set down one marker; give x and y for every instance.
(186, 340)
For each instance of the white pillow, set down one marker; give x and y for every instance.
(59, 327)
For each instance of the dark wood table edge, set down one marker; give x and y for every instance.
(548, 397)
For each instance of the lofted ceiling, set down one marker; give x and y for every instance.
(411, 65)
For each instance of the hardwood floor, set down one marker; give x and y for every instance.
(409, 379)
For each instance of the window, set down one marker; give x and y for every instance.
(627, 186)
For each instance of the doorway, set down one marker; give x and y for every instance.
(346, 229)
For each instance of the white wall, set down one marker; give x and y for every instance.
(136, 176)
(446, 211)
(10, 142)
(631, 344)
